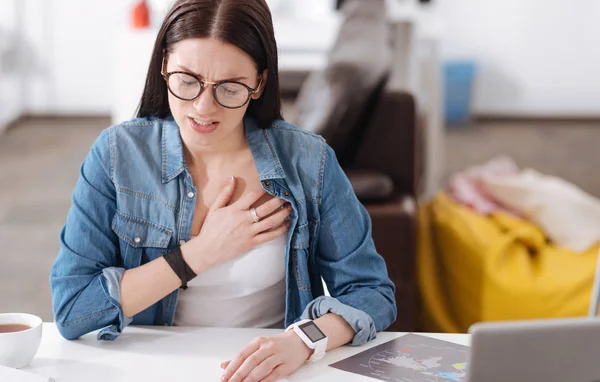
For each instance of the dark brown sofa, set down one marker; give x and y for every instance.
(360, 104)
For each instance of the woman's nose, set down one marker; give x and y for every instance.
(205, 103)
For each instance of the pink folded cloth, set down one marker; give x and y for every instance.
(466, 188)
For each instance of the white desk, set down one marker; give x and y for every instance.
(175, 354)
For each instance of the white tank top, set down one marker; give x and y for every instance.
(247, 292)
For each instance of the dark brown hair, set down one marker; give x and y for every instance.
(246, 24)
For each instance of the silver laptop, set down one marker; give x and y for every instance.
(552, 350)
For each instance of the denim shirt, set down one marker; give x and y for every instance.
(134, 201)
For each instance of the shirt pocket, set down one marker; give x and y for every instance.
(140, 240)
(300, 256)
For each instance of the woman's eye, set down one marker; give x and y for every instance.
(230, 91)
(187, 83)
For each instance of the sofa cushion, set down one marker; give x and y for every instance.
(393, 139)
(330, 102)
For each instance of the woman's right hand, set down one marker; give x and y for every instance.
(229, 230)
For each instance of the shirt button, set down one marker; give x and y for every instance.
(286, 194)
(190, 194)
(137, 239)
(267, 184)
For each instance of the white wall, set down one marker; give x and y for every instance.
(71, 50)
(11, 98)
(71, 46)
(536, 57)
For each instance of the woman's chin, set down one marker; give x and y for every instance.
(196, 141)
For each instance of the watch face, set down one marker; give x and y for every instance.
(312, 331)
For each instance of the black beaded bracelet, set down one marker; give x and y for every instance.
(175, 260)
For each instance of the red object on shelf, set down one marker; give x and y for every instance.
(140, 16)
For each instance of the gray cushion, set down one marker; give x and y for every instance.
(330, 102)
(370, 185)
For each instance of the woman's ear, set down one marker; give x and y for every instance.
(261, 85)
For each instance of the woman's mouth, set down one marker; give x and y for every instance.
(203, 127)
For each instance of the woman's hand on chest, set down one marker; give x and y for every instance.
(230, 228)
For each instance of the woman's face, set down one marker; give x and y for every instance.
(203, 122)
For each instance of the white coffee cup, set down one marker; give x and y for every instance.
(17, 349)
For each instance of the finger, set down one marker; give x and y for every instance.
(276, 374)
(225, 195)
(255, 359)
(225, 364)
(249, 199)
(263, 369)
(273, 205)
(272, 221)
(235, 363)
(271, 235)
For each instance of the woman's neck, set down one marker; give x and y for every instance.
(217, 156)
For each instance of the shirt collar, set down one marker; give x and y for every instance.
(264, 154)
(173, 163)
(265, 158)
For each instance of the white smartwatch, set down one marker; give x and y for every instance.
(312, 336)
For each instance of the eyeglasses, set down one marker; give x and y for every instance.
(229, 94)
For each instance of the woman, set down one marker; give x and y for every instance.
(209, 210)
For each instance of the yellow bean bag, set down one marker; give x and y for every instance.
(486, 268)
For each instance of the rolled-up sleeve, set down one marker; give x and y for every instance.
(356, 275)
(86, 275)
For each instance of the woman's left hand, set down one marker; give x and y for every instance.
(267, 359)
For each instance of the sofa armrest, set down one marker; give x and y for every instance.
(394, 234)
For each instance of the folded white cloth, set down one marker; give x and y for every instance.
(568, 216)
(8, 374)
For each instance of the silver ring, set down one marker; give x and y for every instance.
(254, 215)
